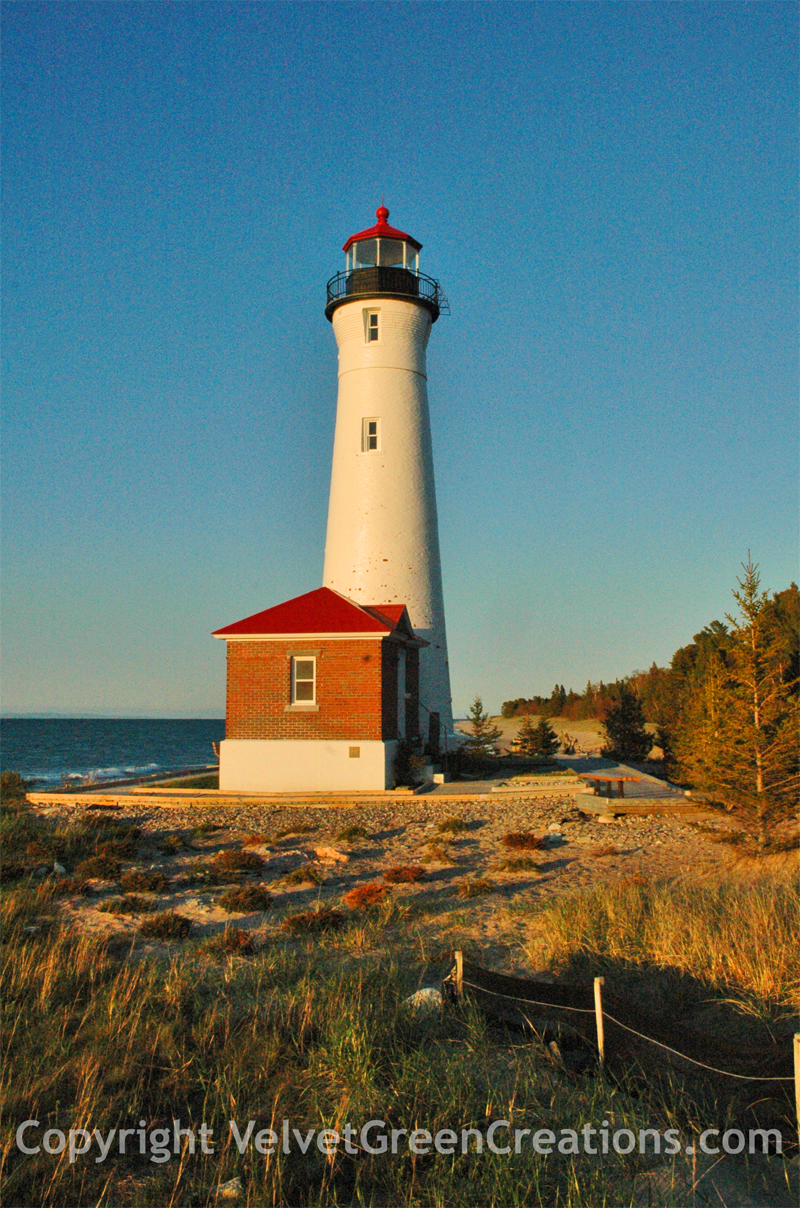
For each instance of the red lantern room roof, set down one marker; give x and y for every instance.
(381, 230)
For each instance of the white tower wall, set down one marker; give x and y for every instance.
(382, 543)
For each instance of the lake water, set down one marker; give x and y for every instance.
(53, 750)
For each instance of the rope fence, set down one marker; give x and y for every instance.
(461, 980)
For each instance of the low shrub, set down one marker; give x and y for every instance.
(255, 840)
(143, 881)
(363, 896)
(13, 870)
(304, 876)
(170, 845)
(312, 921)
(246, 899)
(129, 904)
(12, 788)
(351, 833)
(207, 828)
(233, 941)
(238, 861)
(519, 864)
(306, 828)
(403, 874)
(123, 848)
(452, 826)
(167, 925)
(107, 868)
(475, 888)
(522, 841)
(438, 853)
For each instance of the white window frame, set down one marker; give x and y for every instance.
(365, 433)
(304, 658)
(368, 329)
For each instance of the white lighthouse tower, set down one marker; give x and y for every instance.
(382, 544)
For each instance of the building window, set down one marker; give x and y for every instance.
(371, 436)
(304, 681)
(373, 330)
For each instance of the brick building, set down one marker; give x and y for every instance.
(320, 690)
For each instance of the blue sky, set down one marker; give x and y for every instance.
(608, 195)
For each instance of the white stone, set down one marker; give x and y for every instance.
(230, 1191)
(59, 870)
(428, 1001)
(329, 855)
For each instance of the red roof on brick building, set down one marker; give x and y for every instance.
(320, 611)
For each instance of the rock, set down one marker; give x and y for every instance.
(608, 819)
(329, 855)
(59, 870)
(553, 829)
(231, 1191)
(428, 1001)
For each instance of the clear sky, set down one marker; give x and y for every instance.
(607, 192)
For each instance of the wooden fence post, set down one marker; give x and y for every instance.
(598, 1014)
(459, 974)
(797, 1080)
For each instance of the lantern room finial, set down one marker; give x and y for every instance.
(382, 215)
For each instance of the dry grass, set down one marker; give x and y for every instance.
(246, 899)
(523, 841)
(63, 887)
(364, 896)
(311, 922)
(403, 874)
(738, 939)
(167, 925)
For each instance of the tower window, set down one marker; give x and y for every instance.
(304, 681)
(371, 436)
(373, 330)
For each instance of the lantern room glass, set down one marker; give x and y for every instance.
(371, 253)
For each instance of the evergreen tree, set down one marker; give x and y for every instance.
(537, 741)
(481, 742)
(625, 728)
(737, 738)
(546, 740)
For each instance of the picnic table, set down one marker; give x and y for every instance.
(604, 785)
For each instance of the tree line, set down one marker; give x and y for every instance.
(725, 711)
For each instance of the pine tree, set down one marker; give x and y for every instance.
(537, 741)
(738, 735)
(546, 740)
(481, 742)
(625, 728)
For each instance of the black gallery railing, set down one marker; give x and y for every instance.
(386, 279)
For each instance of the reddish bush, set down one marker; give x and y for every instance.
(365, 895)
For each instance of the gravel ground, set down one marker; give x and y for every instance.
(580, 854)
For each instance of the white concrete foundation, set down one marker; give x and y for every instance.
(304, 765)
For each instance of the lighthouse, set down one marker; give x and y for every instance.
(383, 538)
